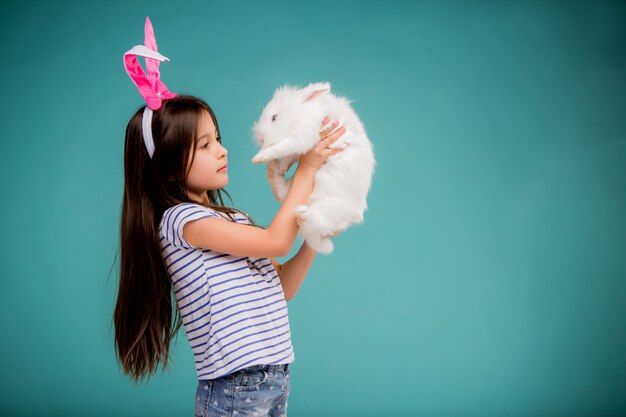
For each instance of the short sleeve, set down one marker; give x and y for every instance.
(176, 217)
(242, 218)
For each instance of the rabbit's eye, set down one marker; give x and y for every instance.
(274, 118)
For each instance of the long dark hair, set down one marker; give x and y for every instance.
(144, 308)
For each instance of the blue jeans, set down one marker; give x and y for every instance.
(256, 391)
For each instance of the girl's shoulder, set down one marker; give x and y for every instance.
(188, 206)
(195, 208)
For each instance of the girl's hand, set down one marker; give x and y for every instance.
(315, 157)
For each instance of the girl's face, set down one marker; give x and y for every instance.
(205, 172)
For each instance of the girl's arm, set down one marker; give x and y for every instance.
(293, 272)
(277, 265)
(238, 239)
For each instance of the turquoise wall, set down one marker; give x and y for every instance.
(489, 277)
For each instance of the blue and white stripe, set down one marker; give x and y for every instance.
(233, 307)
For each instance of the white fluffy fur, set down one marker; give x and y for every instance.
(342, 183)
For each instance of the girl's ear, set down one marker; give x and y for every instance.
(315, 89)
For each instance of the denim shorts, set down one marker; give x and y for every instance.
(256, 391)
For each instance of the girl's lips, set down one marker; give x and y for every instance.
(225, 168)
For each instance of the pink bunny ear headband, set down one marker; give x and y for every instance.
(150, 87)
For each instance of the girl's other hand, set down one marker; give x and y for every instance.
(315, 157)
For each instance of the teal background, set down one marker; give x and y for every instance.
(489, 276)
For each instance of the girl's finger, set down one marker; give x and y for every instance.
(325, 132)
(331, 151)
(325, 144)
(326, 140)
(336, 134)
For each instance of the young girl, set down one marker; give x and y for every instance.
(177, 236)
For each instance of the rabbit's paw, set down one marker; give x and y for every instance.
(265, 155)
(273, 166)
(302, 212)
(260, 158)
(320, 245)
(284, 164)
(325, 247)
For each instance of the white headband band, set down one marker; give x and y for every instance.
(146, 130)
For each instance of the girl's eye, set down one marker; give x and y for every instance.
(219, 139)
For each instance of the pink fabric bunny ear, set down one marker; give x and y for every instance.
(150, 87)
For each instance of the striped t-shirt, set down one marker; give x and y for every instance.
(233, 307)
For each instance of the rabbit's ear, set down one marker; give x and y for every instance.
(315, 89)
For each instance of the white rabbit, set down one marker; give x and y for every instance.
(288, 127)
